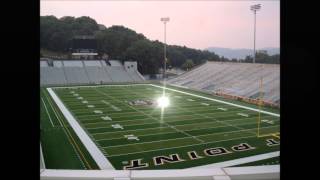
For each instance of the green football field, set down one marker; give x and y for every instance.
(132, 132)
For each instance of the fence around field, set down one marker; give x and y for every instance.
(269, 172)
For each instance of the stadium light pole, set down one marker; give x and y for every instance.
(165, 20)
(254, 8)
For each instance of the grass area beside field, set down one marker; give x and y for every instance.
(60, 145)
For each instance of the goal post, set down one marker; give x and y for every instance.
(259, 104)
(263, 131)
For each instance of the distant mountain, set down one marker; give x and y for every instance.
(240, 53)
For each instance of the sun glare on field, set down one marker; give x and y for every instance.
(163, 102)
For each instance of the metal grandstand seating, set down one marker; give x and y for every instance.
(43, 64)
(57, 64)
(75, 72)
(118, 74)
(241, 79)
(52, 76)
(87, 72)
(96, 73)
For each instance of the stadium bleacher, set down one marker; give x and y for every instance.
(118, 74)
(115, 63)
(75, 72)
(43, 64)
(52, 75)
(131, 69)
(239, 79)
(69, 72)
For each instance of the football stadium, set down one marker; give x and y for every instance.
(104, 117)
(126, 124)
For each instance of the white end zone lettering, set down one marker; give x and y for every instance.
(172, 158)
(216, 151)
(272, 142)
(136, 164)
(242, 147)
(193, 155)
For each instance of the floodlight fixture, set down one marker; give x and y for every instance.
(255, 8)
(164, 20)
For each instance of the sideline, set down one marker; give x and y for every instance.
(94, 151)
(220, 101)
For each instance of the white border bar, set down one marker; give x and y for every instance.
(95, 152)
(42, 159)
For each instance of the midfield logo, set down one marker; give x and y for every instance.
(193, 155)
(142, 102)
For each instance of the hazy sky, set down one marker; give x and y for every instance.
(195, 24)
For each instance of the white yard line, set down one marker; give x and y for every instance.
(154, 118)
(134, 130)
(223, 109)
(141, 124)
(224, 122)
(64, 130)
(243, 114)
(81, 108)
(94, 151)
(208, 134)
(181, 146)
(47, 112)
(118, 114)
(111, 105)
(193, 129)
(54, 111)
(178, 130)
(213, 118)
(194, 144)
(184, 120)
(104, 122)
(115, 85)
(129, 113)
(220, 101)
(150, 142)
(240, 160)
(173, 115)
(170, 115)
(203, 97)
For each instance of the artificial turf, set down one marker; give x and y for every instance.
(61, 147)
(189, 124)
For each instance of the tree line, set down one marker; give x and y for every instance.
(120, 43)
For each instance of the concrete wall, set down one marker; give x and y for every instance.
(271, 172)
